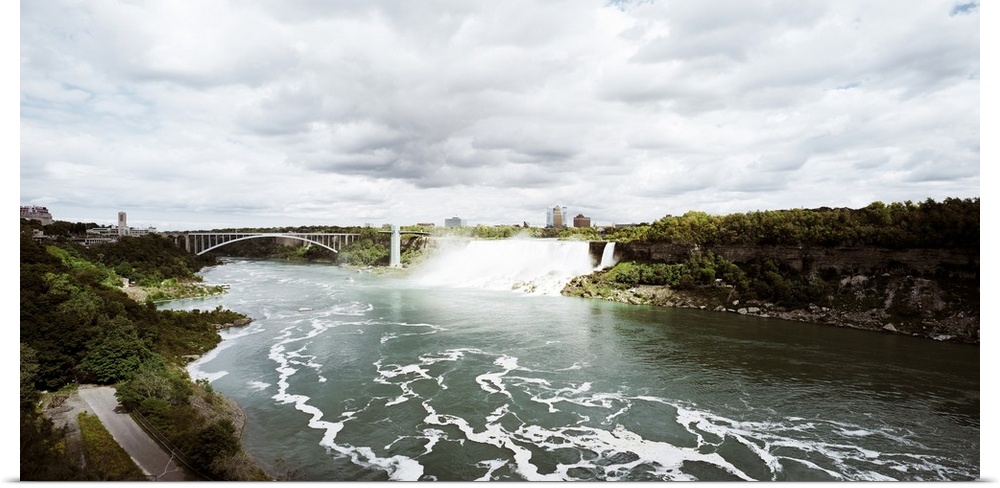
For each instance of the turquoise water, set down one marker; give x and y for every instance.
(353, 376)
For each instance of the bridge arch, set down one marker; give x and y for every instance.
(258, 236)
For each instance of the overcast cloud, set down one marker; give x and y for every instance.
(204, 114)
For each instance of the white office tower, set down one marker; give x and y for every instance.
(122, 225)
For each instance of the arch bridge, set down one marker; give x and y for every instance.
(201, 242)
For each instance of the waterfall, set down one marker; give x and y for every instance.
(608, 256)
(534, 266)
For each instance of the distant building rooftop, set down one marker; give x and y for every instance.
(34, 212)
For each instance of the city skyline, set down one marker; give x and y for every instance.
(253, 115)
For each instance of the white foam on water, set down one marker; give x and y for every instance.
(493, 382)
(659, 458)
(352, 308)
(195, 368)
(491, 465)
(826, 446)
(412, 371)
(391, 335)
(620, 453)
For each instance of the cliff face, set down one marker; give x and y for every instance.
(932, 293)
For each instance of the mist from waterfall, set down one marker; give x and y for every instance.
(529, 265)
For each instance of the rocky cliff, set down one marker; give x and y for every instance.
(932, 293)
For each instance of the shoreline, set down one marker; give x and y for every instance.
(867, 320)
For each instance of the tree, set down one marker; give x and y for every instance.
(116, 353)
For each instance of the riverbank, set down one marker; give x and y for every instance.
(905, 305)
(172, 290)
(205, 406)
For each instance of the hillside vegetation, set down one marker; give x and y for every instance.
(903, 267)
(78, 326)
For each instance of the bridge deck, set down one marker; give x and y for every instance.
(202, 242)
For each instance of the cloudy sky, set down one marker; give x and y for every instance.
(208, 114)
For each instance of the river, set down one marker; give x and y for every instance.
(443, 374)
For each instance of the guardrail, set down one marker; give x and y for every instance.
(165, 443)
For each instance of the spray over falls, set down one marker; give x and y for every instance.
(534, 266)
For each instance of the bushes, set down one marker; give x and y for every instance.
(163, 396)
(154, 380)
(763, 279)
(631, 273)
(105, 458)
(698, 269)
(148, 259)
(215, 440)
(370, 249)
(772, 280)
(116, 353)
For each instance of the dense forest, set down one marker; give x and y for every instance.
(951, 223)
(78, 326)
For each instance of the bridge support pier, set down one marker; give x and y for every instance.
(394, 260)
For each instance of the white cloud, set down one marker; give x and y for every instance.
(259, 113)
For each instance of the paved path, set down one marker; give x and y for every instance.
(146, 453)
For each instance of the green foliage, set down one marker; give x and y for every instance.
(215, 440)
(82, 268)
(163, 396)
(952, 223)
(83, 330)
(154, 379)
(579, 233)
(627, 233)
(772, 280)
(77, 325)
(700, 268)
(148, 259)
(116, 353)
(29, 372)
(764, 279)
(413, 250)
(43, 456)
(495, 232)
(370, 249)
(108, 460)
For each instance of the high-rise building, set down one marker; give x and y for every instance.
(454, 222)
(122, 225)
(557, 217)
(581, 221)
